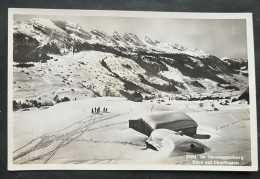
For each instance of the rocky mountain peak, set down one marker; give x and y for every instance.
(149, 41)
(133, 39)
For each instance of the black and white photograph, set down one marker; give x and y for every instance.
(106, 90)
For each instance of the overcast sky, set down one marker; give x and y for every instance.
(223, 38)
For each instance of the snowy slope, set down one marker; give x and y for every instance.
(43, 30)
(84, 64)
(73, 135)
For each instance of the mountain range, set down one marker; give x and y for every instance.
(130, 63)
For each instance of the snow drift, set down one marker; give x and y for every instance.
(168, 141)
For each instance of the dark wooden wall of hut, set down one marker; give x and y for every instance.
(141, 126)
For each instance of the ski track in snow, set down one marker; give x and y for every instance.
(64, 136)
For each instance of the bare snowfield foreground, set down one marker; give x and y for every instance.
(68, 133)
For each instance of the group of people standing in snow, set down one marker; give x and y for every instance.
(96, 110)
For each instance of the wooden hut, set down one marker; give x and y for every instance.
(136, 97)
(175, 121)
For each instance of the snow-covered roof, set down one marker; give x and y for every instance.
(180, 119)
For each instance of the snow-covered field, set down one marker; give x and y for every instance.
(69, 133)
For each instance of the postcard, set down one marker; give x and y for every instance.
(131, 90)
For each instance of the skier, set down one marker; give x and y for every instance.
(95, 110)
(92, 111)
(104, 109)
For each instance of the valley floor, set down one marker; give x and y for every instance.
(68, 133)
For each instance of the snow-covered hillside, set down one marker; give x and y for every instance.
(69, 62)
